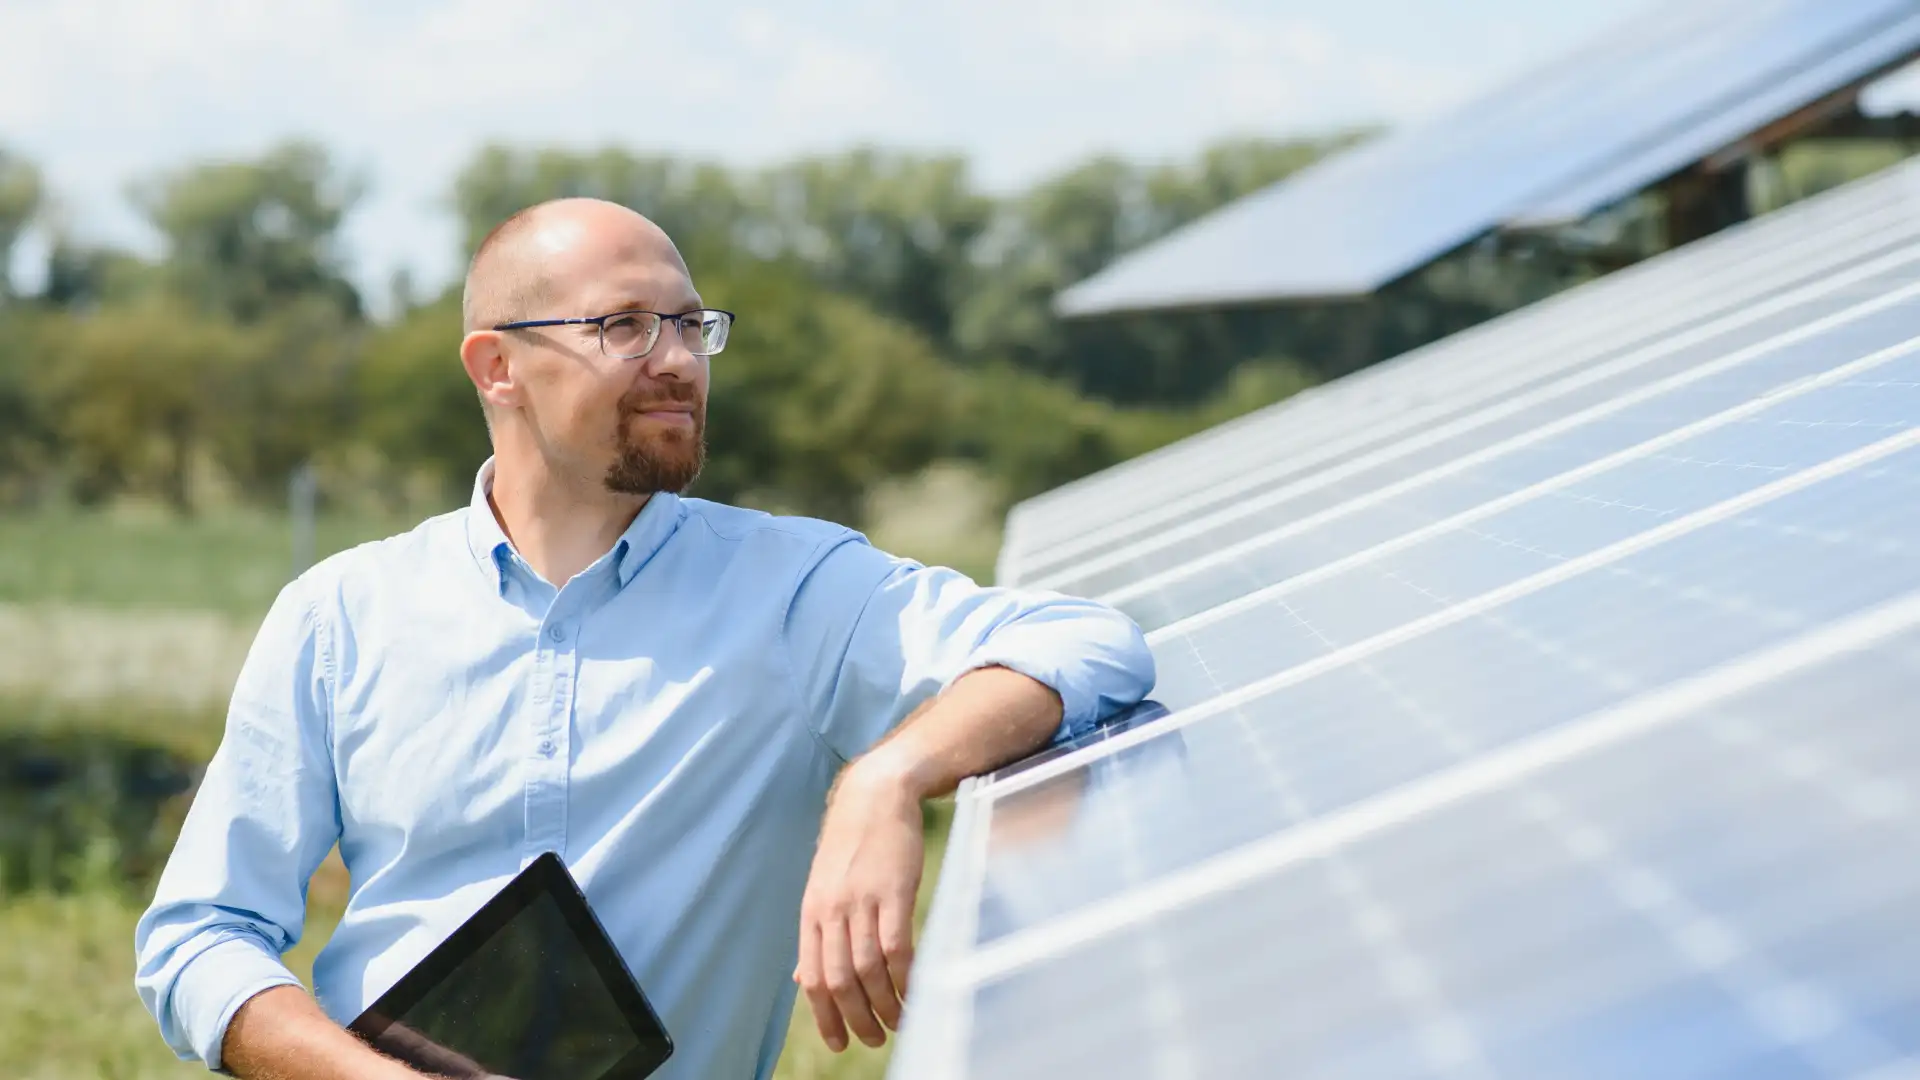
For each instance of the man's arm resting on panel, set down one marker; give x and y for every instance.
(1011, 669)
(856, 921)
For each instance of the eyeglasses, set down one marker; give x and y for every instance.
(629, 335)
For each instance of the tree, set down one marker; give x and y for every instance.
(132, 395)
(20, 198)
(416, 406)
(896, 230)
(285, 396)
(246, 238)
(816, 397)
(699, 204)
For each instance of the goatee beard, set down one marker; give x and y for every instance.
(671, 462)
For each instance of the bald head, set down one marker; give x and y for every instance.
(534, 257)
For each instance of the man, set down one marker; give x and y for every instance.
(724, 721)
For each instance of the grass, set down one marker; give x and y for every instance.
(231, 562)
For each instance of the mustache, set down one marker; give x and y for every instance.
(639, 401)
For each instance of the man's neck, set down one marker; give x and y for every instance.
(558, 525)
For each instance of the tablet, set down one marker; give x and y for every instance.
(529, 988)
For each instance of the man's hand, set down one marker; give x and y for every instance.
(856, 920)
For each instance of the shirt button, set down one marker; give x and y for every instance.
(557, 633)
(546, 747)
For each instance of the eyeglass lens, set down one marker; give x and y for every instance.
(632, 335)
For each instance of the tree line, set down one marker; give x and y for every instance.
(892, 314)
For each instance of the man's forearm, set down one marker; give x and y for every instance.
(987, 718)
(281, 1034)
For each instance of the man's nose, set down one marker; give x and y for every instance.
(670, 358)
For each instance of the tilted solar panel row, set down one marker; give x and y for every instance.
(1568, 731)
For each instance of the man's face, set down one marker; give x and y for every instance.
(637, 425)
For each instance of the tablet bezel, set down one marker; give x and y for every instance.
(545, 875)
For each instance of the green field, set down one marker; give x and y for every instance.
(70, 880)
(231, 562)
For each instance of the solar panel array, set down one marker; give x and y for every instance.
(1539, 704)
(1675, 84)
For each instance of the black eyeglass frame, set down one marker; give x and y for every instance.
(599, 323)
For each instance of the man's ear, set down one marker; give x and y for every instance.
(483, 353)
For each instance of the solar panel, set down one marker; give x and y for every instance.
(1652, 96)
(1579, 745)
(1544, 360)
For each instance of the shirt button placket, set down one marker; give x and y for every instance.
(547, 771)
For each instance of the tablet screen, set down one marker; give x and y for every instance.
(523, 990)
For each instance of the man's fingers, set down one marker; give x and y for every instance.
(836, 961)
(896, 943)
(813, 983)
(870, 964)
(826, 1017)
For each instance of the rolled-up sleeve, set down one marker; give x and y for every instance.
(872, 636)
(232, 897)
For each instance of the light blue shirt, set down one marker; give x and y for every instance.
(669, 721)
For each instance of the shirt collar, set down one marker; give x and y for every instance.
(646, 535)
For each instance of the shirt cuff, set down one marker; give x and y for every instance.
(213, 986)
(1094, 678)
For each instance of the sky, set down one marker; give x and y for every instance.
(98, 92)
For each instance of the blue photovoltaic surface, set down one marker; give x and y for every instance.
(1732, 894)
(1678, 80)
(1580, 744)
(1740, 282)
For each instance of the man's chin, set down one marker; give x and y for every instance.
(660, 469)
